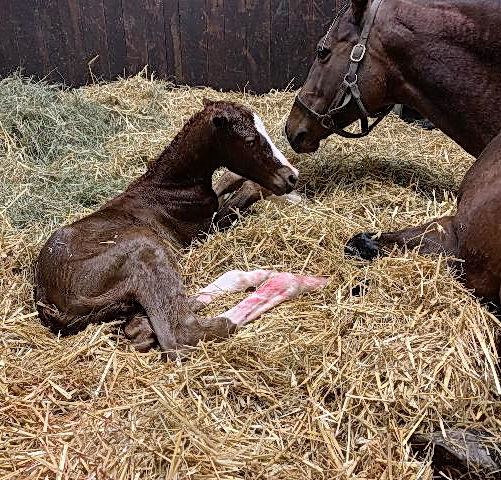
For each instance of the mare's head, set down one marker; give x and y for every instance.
(320, 92)
(245, 148)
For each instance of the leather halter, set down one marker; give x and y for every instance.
(349, 90)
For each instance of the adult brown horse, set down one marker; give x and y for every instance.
(120, 262)
(442, 58)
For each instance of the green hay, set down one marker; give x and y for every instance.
(52, 142)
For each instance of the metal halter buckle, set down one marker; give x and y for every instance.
(351, 82)
(357, 53)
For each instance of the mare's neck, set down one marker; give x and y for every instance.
(445, 61)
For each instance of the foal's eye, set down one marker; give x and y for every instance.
(323, 52)
(250, 141)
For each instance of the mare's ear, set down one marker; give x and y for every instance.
(358, 8)
(220, 120)
(207, 102)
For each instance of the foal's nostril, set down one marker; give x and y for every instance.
(292, 179)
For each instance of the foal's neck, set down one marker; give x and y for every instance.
(175, 195)
(190, 159)
(445, 61)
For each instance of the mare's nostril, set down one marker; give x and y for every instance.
(292, 179)
(300, 137)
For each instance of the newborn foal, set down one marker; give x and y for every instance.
(120, 262)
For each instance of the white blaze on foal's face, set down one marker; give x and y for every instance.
(258, 123)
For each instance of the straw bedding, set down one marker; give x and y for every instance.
(328, 386)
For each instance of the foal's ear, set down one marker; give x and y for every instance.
(358, 8)
(220, 120)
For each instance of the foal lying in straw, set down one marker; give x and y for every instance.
(119, 262)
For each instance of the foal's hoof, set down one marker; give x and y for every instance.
(362, 246)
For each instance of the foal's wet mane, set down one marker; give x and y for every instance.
(188, 141)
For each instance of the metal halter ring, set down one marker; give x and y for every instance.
(327, 122)
(358, 53)
(349, 82)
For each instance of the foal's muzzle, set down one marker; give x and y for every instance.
(284, 181)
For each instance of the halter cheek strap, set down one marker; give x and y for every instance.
(349, 89)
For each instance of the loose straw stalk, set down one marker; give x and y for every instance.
(328, 386)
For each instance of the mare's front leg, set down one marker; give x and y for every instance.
(438, 236)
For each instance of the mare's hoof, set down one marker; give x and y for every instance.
(471, 454)
(362, 246)
(425, 124)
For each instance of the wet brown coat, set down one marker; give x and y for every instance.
(121, 260)
(442, 58)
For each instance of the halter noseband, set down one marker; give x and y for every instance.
(349, 88)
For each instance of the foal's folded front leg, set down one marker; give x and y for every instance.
(228, 182)
(236, 194)
(239, 200)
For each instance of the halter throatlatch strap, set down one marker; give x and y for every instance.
(349, 90)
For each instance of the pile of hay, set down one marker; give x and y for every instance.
(328, 386)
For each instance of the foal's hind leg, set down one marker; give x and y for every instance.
(138, 330)
(140, 334)
(277, 289)
(155, 285)
(438, 236)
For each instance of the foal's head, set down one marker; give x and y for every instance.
(245, 148)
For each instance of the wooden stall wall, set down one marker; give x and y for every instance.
(227, 44)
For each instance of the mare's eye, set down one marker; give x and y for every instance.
(250, 141)
(323, 52)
